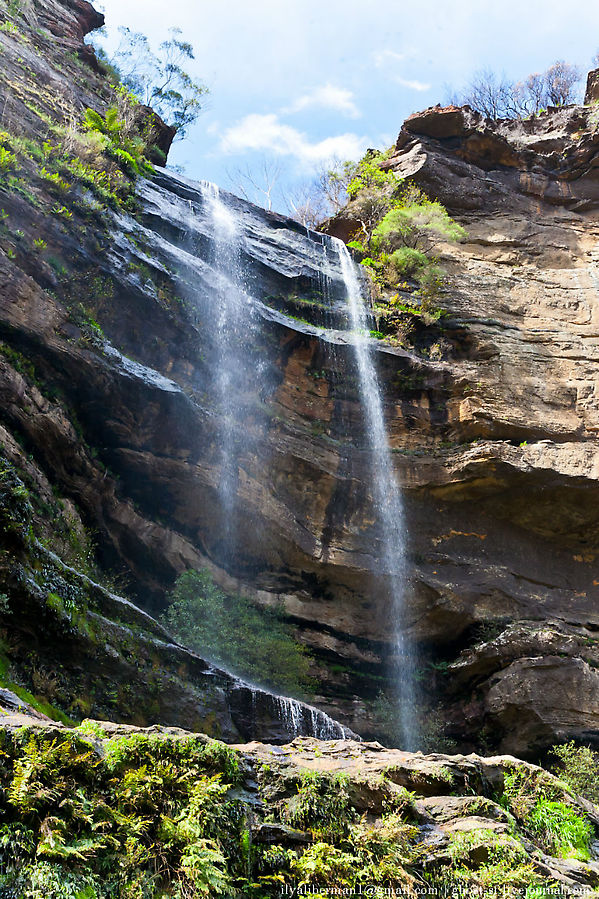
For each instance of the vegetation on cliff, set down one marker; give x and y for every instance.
(399, 229)
(497, 97)
(256, 644)
(158, 80)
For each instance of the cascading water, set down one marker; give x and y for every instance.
(301, 719)
(232, 306)
(235, 321)
(386, 494)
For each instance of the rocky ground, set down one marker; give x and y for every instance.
(118, 811)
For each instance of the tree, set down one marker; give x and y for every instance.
(159, 80)
(257, 184)
(325, 195)
(532, 93)
(307, 203)
(495, 97)
(229, 630)
(561, 80)
(334, 181)
(490, 94)
(372, 190)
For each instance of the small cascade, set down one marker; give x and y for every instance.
(306, 720)
(298, 719)
(387, 497)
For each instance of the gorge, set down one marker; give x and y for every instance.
(401, 487)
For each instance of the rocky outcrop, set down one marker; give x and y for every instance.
(310, 815)
(592, 89)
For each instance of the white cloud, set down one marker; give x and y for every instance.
(382, 58)
(413, 85)
(389, 59)
(327, 97)
(267, 133)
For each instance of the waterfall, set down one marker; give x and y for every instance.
(235, 322)
(388, 504)
(233, 318)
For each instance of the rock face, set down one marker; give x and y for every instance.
(592, 90)
(110, 400)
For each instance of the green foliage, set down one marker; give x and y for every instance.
(537, 802)
(166, 815)
(230, 631)
(578, 767)
(153, 818)
(368, 175)
(54, 181)
(482, 863)
(398, 232)
(121, 145)
(325, 865)
(431, 722)
(8, 160)
(406, 261)
(321, 805)
(414, 221)
(19, 361)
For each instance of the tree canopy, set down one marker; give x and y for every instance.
(159, 79)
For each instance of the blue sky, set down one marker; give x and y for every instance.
(297, 83)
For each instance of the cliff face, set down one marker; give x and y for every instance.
(110, 403)
(524, 285)
(70, 398)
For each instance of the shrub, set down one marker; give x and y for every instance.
(164, 825)
(406, 261)
(7, 160)
(417, 222)
(536, 800)
(230, 631)
(578, 766)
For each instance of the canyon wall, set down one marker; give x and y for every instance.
(110, 414)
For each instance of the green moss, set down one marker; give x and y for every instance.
(321, 805)
(36, 702)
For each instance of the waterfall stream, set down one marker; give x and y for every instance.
(233, 308)
(388, 504)
(234, 315)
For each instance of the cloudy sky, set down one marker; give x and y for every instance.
(298, 83)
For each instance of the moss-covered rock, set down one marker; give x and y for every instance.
(112, 811)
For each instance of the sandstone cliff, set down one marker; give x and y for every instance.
(109, 414)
